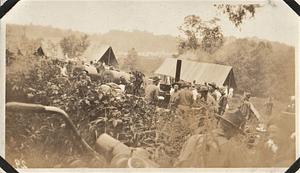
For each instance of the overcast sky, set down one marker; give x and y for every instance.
(273, 23)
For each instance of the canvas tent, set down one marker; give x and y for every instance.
(201, 72)
(50, 50)
(105, 55)
(39, 52)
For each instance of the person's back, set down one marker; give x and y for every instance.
(245, 108)
(223, 101)
(151, 93)
(211, 100)
(220, 147)
(213, 150)
(185, 97)
(203, 90)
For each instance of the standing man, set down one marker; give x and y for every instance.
(245, 108)
(174, 92)
(230, 93)
(173, 97)
(185, 98)
(203, 91)
(194, 91)
(269, 106)
(212, 91)
(152, 91)
(223, 101)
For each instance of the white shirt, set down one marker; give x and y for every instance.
(230, 94)
(195, 94)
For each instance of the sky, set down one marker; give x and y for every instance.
(278, 23)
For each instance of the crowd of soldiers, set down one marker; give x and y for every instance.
(184, 95)
(223, 145)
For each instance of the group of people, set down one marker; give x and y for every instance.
(232, 143)
(222, 146)
(184, 95)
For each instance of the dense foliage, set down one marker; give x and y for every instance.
(42, 140)
(130, 62)
(197, 33)
(74, 46)
(238, 13)
(260, 67)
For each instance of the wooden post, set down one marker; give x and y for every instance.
(178, 70)
(108, 61)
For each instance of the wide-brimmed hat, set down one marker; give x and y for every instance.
(234, 119)
(213, 84)
(182, 84)
(155, 79)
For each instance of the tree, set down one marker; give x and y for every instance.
(74, 46)
(131, 59)
(238, 13)
(197, 33)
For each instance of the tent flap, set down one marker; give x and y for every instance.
(109, 57)
(104, 54)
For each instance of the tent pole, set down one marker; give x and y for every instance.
(108, 56)
(178, 70)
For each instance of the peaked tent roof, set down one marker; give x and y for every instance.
(201, 72)
(104, 54)
(109, 57)
(39, 52)
(50, 50)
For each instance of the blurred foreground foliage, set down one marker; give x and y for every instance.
(42, 140)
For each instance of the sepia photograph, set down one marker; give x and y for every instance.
(150, 84)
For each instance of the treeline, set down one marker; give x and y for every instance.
(121, 41)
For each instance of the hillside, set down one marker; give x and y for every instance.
(121, 41)
(141, 40)
(261, 67)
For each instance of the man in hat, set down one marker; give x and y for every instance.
(203, 90)
(213, 90)
(185, 98)
(173, 96)
(212, 97)
(174, 89)
(152, 91)
(245, 106)
(223, 101)
(218, 148)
